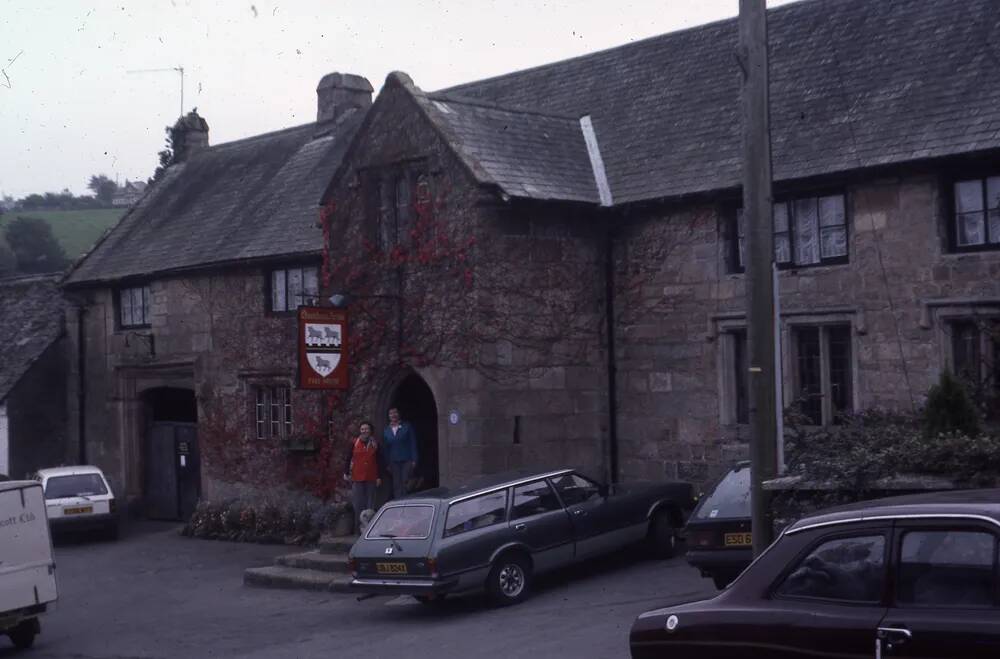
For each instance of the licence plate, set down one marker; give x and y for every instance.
(390, 568)
(738, 539)
(78, 511)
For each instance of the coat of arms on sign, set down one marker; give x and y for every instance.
(323, 336)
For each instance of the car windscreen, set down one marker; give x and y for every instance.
(729, 499)
(77, 485)
(403, 522)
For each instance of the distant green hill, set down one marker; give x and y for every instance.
(76, 231)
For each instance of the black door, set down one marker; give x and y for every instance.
(173, 480)
(541, 523)
(945, 593)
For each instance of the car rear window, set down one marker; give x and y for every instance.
(730, 498)
(403, 522)
(77, 485)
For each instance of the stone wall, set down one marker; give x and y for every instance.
(37, 415)
(676, 300)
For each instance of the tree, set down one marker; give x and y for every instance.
(8, 262)
(103, 187)
(949, 408)
(34, 246)
(167, 154)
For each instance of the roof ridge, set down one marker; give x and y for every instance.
(463, 100)
(598, 53)
(260, 136)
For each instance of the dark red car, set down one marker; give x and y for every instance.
(912, 576)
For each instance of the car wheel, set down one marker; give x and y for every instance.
(662, 536)
(23, 636)
(509, 580)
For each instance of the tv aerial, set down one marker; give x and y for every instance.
(178, 69)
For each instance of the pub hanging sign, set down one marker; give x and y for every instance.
(322, 348)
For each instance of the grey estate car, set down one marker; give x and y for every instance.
(499, 532)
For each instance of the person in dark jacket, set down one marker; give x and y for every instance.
(399, 443)
(364, 469)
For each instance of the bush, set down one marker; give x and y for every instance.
(949, 409)
(264, 521)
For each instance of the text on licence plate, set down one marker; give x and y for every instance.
(78, 511)
(738, 539)
(390, 568)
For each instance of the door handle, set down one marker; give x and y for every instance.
(520, 527)
(890, 637)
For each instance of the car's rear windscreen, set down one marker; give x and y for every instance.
(403, 522)
(77, 485)
(730, 498)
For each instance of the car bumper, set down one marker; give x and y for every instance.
(426, 587)
(712, 561)
(83, 522)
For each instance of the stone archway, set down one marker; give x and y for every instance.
(415, 401)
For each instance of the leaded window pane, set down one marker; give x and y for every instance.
(781, 218)
(834, 242)
(278, 292)
(971, 229)
(125, 302)
(806, 232)
(810, 373)
(403, 208)
(831, 211)
(294, 288)
(741, 243)
(969, 196)
(841, 386)
(145, 305)
(310, 285)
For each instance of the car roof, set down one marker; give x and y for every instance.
(481, 485)
(983, 504)
(17, 485)
(69, 471)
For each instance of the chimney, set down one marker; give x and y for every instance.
(339, 92)
(190, 136)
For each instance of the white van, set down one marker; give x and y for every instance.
(27, 569)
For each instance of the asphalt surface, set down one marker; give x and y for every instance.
(156, 594)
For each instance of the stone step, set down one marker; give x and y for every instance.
(281, 576)
(336, 544)
(314, 560)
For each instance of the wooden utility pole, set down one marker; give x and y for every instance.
(759, 263)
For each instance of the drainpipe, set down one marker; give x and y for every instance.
(609, 312)
(81, 395)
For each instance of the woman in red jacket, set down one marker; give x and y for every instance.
(364, 470)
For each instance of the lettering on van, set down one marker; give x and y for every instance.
(23, 518)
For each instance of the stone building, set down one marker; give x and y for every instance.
(33, 376)
(591, 209)
(544, 267)
(183, 316)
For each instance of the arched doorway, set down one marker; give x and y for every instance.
(416, 405)
(171, 467)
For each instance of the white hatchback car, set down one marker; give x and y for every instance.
(79, 498)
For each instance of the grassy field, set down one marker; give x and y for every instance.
(76, 231)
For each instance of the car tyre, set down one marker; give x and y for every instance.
(509, 580)
(23, 635)
(662, 535)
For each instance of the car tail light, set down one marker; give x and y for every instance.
(701, 538)
(432, 566)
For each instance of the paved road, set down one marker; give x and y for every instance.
(156, 594)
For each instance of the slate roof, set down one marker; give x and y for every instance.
(31, 319)
(249, 199)
(525, 154)
(854, 84)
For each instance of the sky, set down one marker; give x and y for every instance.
(78, 96)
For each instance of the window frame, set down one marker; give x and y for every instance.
(732, 249)
(269, 288)
(987, 348)
(263, 404)
(951, 210)
(792, 366)
(888, 543)
(383, 185)
(899, 532)
(147, 306)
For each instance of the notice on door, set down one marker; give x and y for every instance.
(322, 348)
